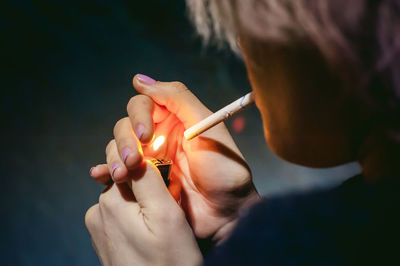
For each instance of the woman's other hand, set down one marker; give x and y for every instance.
(139, 223)
(209, 175)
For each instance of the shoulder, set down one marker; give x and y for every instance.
(331, 226)
(276, 231)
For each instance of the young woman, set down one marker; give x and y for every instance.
(326, 79)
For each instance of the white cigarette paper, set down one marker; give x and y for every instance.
(219, 116)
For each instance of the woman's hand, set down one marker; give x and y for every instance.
(139, 223)
(209, 175)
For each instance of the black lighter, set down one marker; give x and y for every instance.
(164, 166)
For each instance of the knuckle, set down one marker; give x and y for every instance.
(133, 116)
(124, 142)
(109, 145)
(90, 215)
(134, 159)
(103, 200)
(130, 104)
(106, 202)
(178, 86)
(143, 99)
(137, 100)
(120, 123)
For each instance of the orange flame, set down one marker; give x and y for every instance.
(158, 142)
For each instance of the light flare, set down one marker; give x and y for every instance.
(238, 124)
(158, 142)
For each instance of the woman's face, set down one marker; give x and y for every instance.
(308, 117)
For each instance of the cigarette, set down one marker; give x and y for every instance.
(219, 116)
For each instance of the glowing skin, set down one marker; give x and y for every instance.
(158, 142)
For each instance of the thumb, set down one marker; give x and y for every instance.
(175, 96)
(149, 188)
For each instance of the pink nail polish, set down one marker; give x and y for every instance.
(125, 154)
(90, 171)
(145, 79)
(139, 131)
(113, 168)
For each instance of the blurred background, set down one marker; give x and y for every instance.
(66, 70)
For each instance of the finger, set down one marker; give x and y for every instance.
(116, 167)
(188, 109)
(101, 174)
(117, 202)
(92, 218)
(149, 188)
(129, 147)
(140, 110)
(115, 196)
(160, 113)
(175, 188)
(175, 96)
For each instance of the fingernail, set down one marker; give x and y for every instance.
(139, 131)
(113, 168)
(145, 79)
(125, 154)
(90, 171)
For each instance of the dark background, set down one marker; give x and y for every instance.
(66, 70)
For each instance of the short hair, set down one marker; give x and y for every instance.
(363, 35)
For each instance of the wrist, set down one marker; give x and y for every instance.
(225, 230)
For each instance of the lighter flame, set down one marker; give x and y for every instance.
(158, 142)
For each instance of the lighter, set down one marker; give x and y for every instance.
(164, 166)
